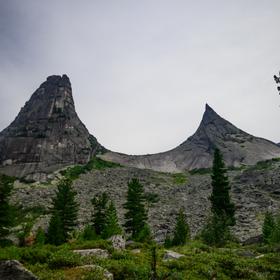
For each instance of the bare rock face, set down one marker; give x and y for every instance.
(237, 147)
(47, 134)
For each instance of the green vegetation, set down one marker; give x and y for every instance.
(111, 226)
(182, 231)
(136, 215)
(264, 164)
(271, 229)
(199, 262)
(74, 172)
(6, 215)
(179, 178)
(216, 232)
(64, 213)
(105, 221)
(200, 171)
(99, 203)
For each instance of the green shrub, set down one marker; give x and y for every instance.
(40, 237)
(34, 255)
(64, 258)
(179, 178)
(200, 171)
(88, 233)
(151, 198)
(74, 172)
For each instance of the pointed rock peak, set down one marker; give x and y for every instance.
(208, 108)
(209, 115)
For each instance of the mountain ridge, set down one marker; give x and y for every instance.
(237, 146)
(48, 135)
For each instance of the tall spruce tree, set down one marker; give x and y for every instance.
(275, 234)
(100, 205)
(6, 213)
(268, 227)
(136, 215)
(64, 212)
(56, 235)
(111, 226)
(221, 204)
(217, 232)
(182, 231)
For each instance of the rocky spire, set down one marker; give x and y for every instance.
(237, 147)
(47, 134)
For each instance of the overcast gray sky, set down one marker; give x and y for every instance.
(142, 71)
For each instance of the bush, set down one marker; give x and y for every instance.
(88, 233)
(64, 258)
(34, 255)
(144, 235)
(179, 178)
(40, 237)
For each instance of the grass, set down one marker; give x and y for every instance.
(179, 178)
(264, 164)
(199, 262)
(95, 163)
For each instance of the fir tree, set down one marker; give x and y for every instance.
(6, 213)
(275, 234)
(136, 215)
(56, 235)
(40, 238)
(111, 226)
(65, 211)
(268, 227)
(216, 232)
(221, 204)
(99, 203)
(181, 233)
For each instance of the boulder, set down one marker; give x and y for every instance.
(13, 270)
(98, 253)
(118, 242)
(171, 255)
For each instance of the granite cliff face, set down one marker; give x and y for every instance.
(237, 147)
(47, 134)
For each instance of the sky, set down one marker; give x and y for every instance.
(142, 71)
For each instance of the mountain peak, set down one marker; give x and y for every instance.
(209, 115)
(47, 134)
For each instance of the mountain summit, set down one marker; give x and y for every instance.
(47, 134)
(237, 147)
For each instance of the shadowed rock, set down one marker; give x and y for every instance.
(13, 270)
(47, 134)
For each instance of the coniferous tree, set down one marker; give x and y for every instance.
(56, 235)
(6, 215)
(181, 232)
(136, 215)
(40, 238)
(64, 212)
(221, 204)
(111, 226)
(100, 204)
(275, 234)
(216, 232)
(268, 227)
